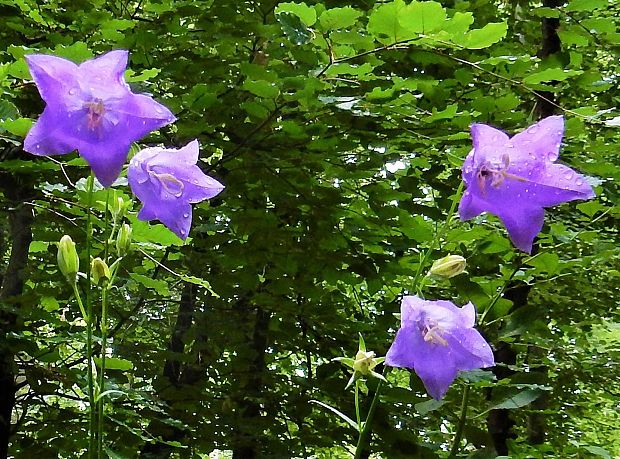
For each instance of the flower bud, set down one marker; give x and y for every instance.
(117, 209)
(99, 271)
(448, 266)
(68, 260)
(123, 240)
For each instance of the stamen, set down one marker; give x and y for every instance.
(433, 335)
(170, 183)
(96, 110)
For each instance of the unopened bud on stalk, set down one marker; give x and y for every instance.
(68, 260)
(448, 266)
(123, 240)
(117, 208)
(99, 271)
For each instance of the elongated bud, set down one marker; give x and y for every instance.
(117, 208)
(123, 240)
(99, 271)
(448, 266)
(68, 261)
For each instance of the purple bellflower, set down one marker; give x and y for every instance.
(516, 178)
(437, 340)
(90, 108)
(167, 182)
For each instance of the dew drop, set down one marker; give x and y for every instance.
(579, 182)
(159, 110)
(143, 122)
(37, 146)
(532, 130)
(568, 174)
(186, 215)
(72, 91)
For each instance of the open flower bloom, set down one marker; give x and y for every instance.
(437, 340)
(90, 108)
(515, 178)
(167, 182)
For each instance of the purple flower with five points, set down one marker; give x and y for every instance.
(90, 108)
(167, 182)
(516, 178)
(437, 340)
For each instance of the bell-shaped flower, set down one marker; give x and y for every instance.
(516, 178)
(90, 108)
(437, 339)
(167, 182)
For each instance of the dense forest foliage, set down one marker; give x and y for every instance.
(339, 131)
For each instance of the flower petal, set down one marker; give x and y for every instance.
(523, 224)
(469, 349)
(488, 143)
(542, 139)
(46, 137)
(54, 76)
(436, 368)
(470, 206)
(106, 160)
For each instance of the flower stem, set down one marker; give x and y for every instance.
(459, 429)
(89, 323)
(358, 418)
(365, 430)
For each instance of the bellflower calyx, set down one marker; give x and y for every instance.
(167, 182)
(437, 339)
(90, 108)
(516, 178)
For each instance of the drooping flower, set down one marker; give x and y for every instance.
(167, 182)
(90, 108)
(437, 340)
(516, 178)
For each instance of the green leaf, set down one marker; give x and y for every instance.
(132, 77)
(18, 127)
(586, 5)
(422, 17)
(338, 18)
(158, 285)
(294, 29)
(7, 110)
(304, 12)
(339, 413)
(519, 400)
(384, 23)
(115, 363)
(428, 406)
(553, 74)
(262, 88)
(485, 37)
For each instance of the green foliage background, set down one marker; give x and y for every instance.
(339, 129)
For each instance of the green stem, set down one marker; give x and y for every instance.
(358, 418)
(361, 440)
(459, 429)
(89, 322)
(78, 298)
(104, 345)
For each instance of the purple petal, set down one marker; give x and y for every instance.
(448, 316)
(469, 349)
(488, 143)
(106, 161)
(109, 66)
(46, 135)
(470, 206)
(175, 216)
(436, 368)
(542, 139)
(54, 76)
(523, 224)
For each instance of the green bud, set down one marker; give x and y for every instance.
(448, 266)
(99, 271)
(123, 240)
(117, 208)
(68, 260)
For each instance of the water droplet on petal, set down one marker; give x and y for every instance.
(568, 174)
(37, 146)
(159, 110)
(72, 91)
(186, 215)
(579, 182)
(143, 122)
(532, 129)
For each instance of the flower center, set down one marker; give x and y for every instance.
(432, 334)
(169, 182)
(95, 113)
(495, 174)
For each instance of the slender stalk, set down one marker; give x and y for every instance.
(361, 440)
(89, 322)
(358, 418)
(104, 345)
(459, 429)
